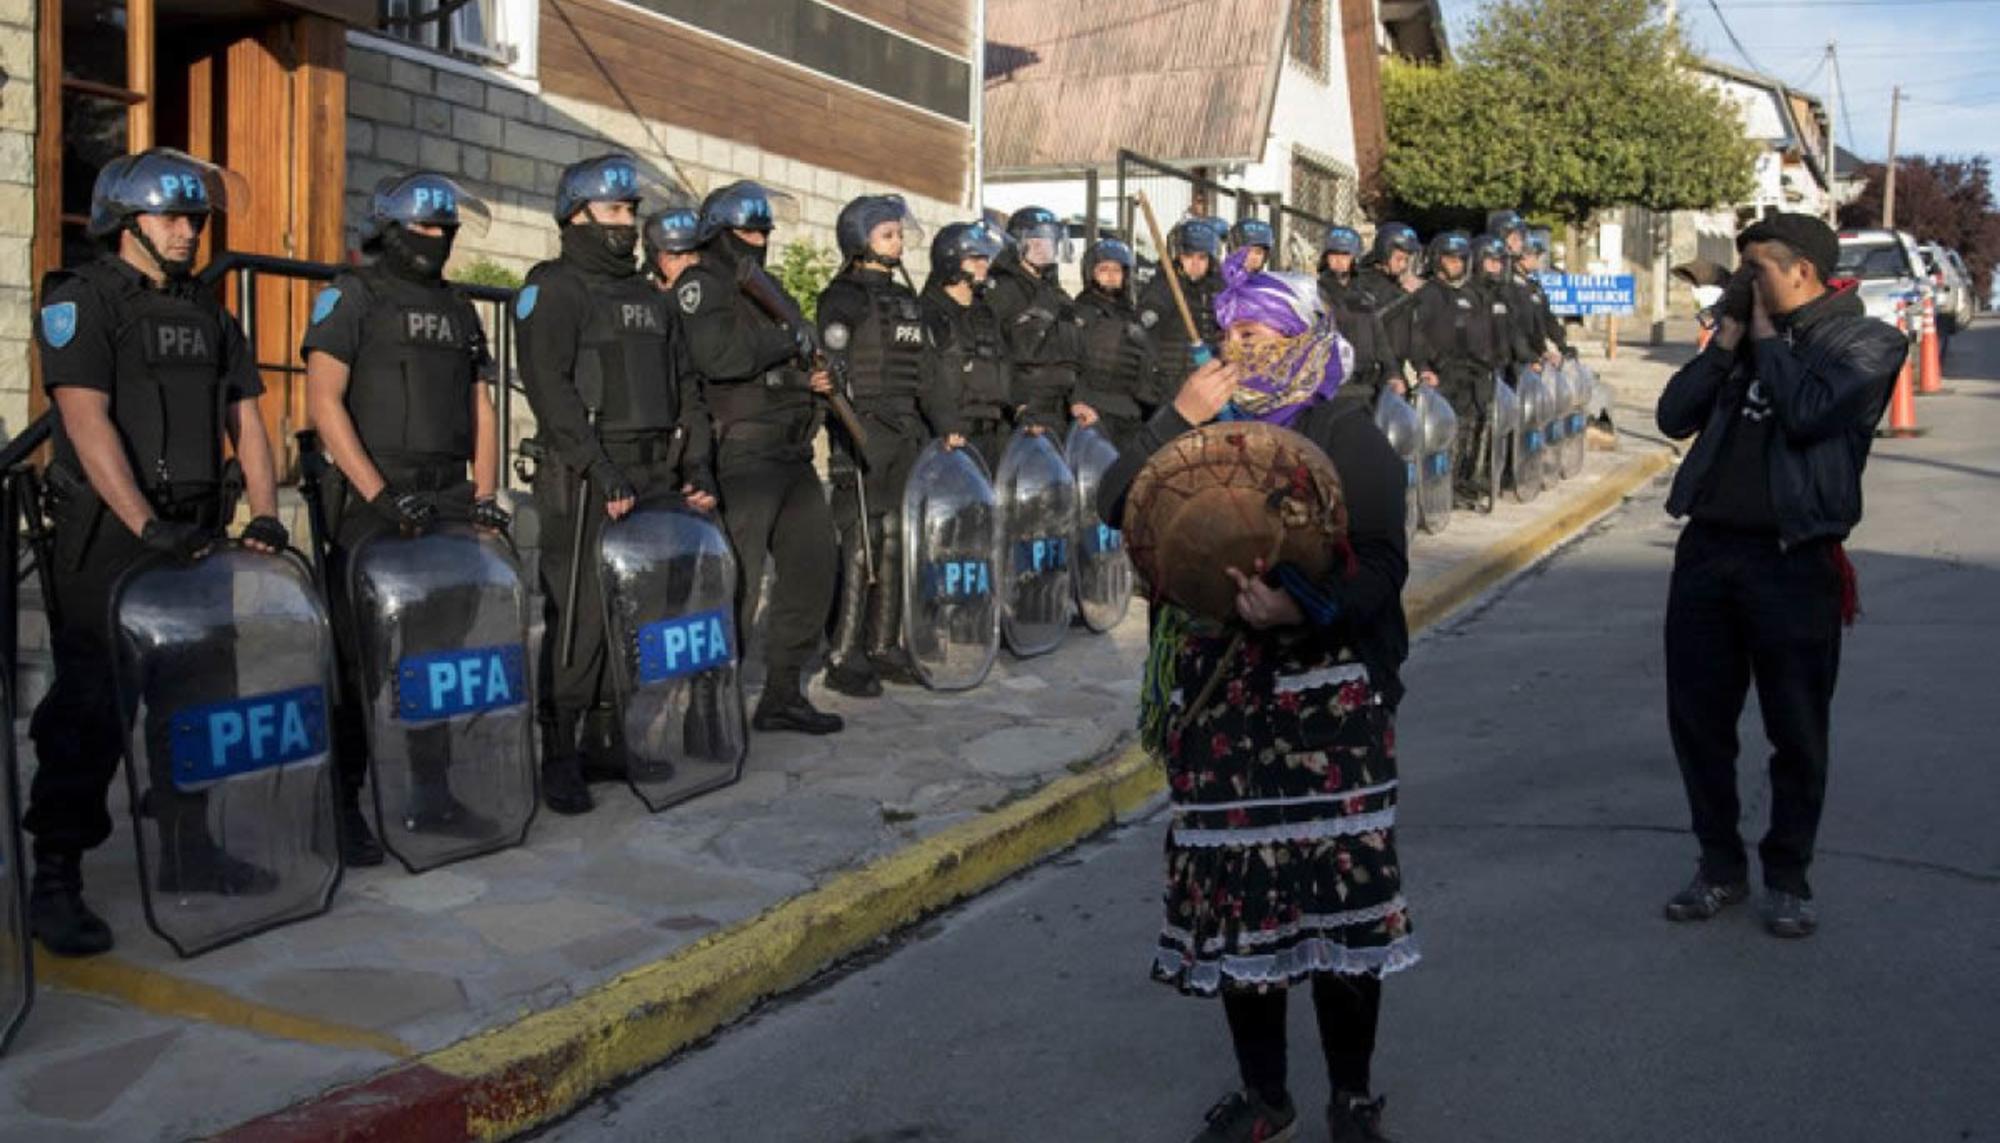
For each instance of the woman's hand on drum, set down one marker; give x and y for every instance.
(1261, 605)
(1206, 391)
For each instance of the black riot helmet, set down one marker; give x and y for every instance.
(1252, 232)
(959, 241)
(1108, 250)
(1197, 234)
(1505, 224)
(1450, 244)
(1340, 240)
(1488, 246)
(1395, 236)
(672, 231)
(855, 227)
(743, 205)
(1032, 225)
(425, 198)
(606, 178)
(160, 181)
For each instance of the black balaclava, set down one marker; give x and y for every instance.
(603, 247)
(419, 257)
(741, 249)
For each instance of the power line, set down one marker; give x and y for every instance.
(1731, 33)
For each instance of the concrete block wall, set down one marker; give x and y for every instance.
(17, 207)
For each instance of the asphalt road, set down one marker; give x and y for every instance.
(1543, 827)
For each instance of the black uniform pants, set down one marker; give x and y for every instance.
(567, 691)
(778, 506)
(79, 726)
(353, 523)
(1740, 609)
(1348, 1009)
(1471, 398)
(989, 436)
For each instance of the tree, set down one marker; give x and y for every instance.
(1939, 199)
(1561, 108)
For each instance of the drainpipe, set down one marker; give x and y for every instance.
(979, 108)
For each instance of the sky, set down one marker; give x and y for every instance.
(1942, 51)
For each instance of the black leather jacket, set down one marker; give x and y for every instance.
(1828, 374)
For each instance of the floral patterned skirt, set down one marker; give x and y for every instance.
(1281, 860)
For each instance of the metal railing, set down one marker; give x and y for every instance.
(1174, 193)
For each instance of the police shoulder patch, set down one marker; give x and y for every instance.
(690, 295)
(59, 324)
(1148, 318)
(324, 305)
(524, 302)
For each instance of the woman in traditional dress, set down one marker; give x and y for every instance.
(1281, 859)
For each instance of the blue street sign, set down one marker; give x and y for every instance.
(1583, 295)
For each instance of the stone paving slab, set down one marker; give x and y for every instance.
(412, 964)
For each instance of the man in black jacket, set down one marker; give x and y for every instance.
(1786, 398)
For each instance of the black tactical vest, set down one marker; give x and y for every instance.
(624, 363)
(886, 357)
(409, 389)
(1115, 357)
(974, 356)
(167, 398)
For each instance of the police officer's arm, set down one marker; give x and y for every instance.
(86, 418)
(697, 423)
(549, 336)
(78, 374)
(244, 424)
(942, 390)
(842, 303)
(1552, 326)
(485, 419)
(726, 339)
(331, 344)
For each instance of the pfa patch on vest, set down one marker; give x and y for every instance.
(690, 296)
(324, 305)
(524, 302)
(59, 324)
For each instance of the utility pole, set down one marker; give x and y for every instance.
(1833, 134)
(1889, 173)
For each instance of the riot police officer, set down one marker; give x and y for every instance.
(672, 242)
(147, 374)
(1256, 236)
(1040, 322)
(1387, 283)
(1518, 330)
(874, 328)
(1552, 333)
(1512, 230)
(1118, 373)
(619, 418)
(975, 374)
(1461, 346)
(759, 373)
(1375, 362)
(395, 358)
(1194, 247)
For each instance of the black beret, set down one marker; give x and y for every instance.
(1808, 236)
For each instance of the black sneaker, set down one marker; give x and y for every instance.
(1244, 1117)
(358, 844)
(1355, 1119)
(1789, 915)
(896, 668)
(852, 681)
(794, 713)
(1703, 899)
(57, 914)
(563, 789)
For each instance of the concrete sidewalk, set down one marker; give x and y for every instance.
(486, 997)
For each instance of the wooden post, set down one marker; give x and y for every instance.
(139, 73)
(1611, 337)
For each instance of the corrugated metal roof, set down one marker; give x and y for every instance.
(1187, 81)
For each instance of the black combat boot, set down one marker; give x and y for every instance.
(601, 751)
(359, 846)
(848, 670)
(57, 914)
(891, 662)
(783, 706)
(432, 807)
(191, 862)
(563, 788)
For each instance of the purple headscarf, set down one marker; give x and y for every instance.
(1306, 366)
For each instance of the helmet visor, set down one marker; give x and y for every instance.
(1045, 244)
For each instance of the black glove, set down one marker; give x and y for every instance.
(409, 511)
(611, 483)
(268, 531)
(1737, 298)
(176, 538)
(488, 514)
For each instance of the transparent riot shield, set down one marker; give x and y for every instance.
(1103, 572)
(1438, 433)
(1530, 450)
(1556, 397)
(441, 627)
(951, 530)
(1398, 421)
(669, 580)
(224, 669)
(1038, 513)
(17, 959)
(1576, 438)
(1504, 437)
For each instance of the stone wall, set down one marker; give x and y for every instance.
(508, 143)
(17, 207)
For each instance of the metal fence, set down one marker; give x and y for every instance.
(1174, 194)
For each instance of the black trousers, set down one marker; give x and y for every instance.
(1472, 400)
(989, 437)
(78, 727)
(777, 507)
(1348, 1009)
(1739, 609)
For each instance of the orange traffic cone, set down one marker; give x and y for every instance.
(1932, 381)
(1903, 401)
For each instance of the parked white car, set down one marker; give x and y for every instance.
(1951, 286)
(1887, 266)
